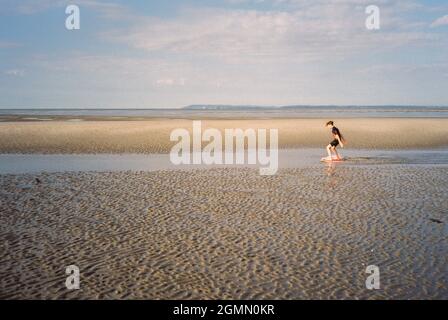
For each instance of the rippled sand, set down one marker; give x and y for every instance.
(153, 136)
(226, 233)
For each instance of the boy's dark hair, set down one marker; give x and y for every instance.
(330, 123)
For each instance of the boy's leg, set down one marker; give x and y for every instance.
(329, 150)
(337, 154)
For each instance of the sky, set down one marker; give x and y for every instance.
(170, 54)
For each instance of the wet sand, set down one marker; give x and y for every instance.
(152, 136)
(226, 233)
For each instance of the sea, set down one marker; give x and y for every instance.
(237, 112)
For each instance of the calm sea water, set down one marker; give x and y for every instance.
(292, 158)
(241, 112)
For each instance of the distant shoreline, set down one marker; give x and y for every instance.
(56, 119)
(239, 107)
(223, 112)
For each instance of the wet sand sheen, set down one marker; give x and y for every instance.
(226, 233)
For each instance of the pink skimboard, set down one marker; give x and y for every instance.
(327, 159)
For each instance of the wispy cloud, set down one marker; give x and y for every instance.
(319, 30)
(15, 72)
(404, 68)
(442, 21)
(107, 9)
(7, 45)
(242, 51)
(171, 82)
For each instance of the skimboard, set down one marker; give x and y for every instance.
(326, 159)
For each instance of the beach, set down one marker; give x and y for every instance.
(224, 154)
(226, 234)
(153, 136)
(307, 232)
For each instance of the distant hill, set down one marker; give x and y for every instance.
(225, 107)
(304, 107)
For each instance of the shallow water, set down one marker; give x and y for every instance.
(291, 158)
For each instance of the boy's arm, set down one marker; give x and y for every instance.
(340, 141)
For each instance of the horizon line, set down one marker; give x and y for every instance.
(225, 105)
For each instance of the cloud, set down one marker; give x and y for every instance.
(442, 21)
(118, 69)
(170, 82)
(404, 68)
(15, 72)
(318, 31)
(26, 6)
(106, 9)
(8, 45)
(277, 52)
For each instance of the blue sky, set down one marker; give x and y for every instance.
(167, 54)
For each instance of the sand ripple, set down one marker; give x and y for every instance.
(226, 233)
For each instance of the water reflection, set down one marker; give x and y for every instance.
(331, 172)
